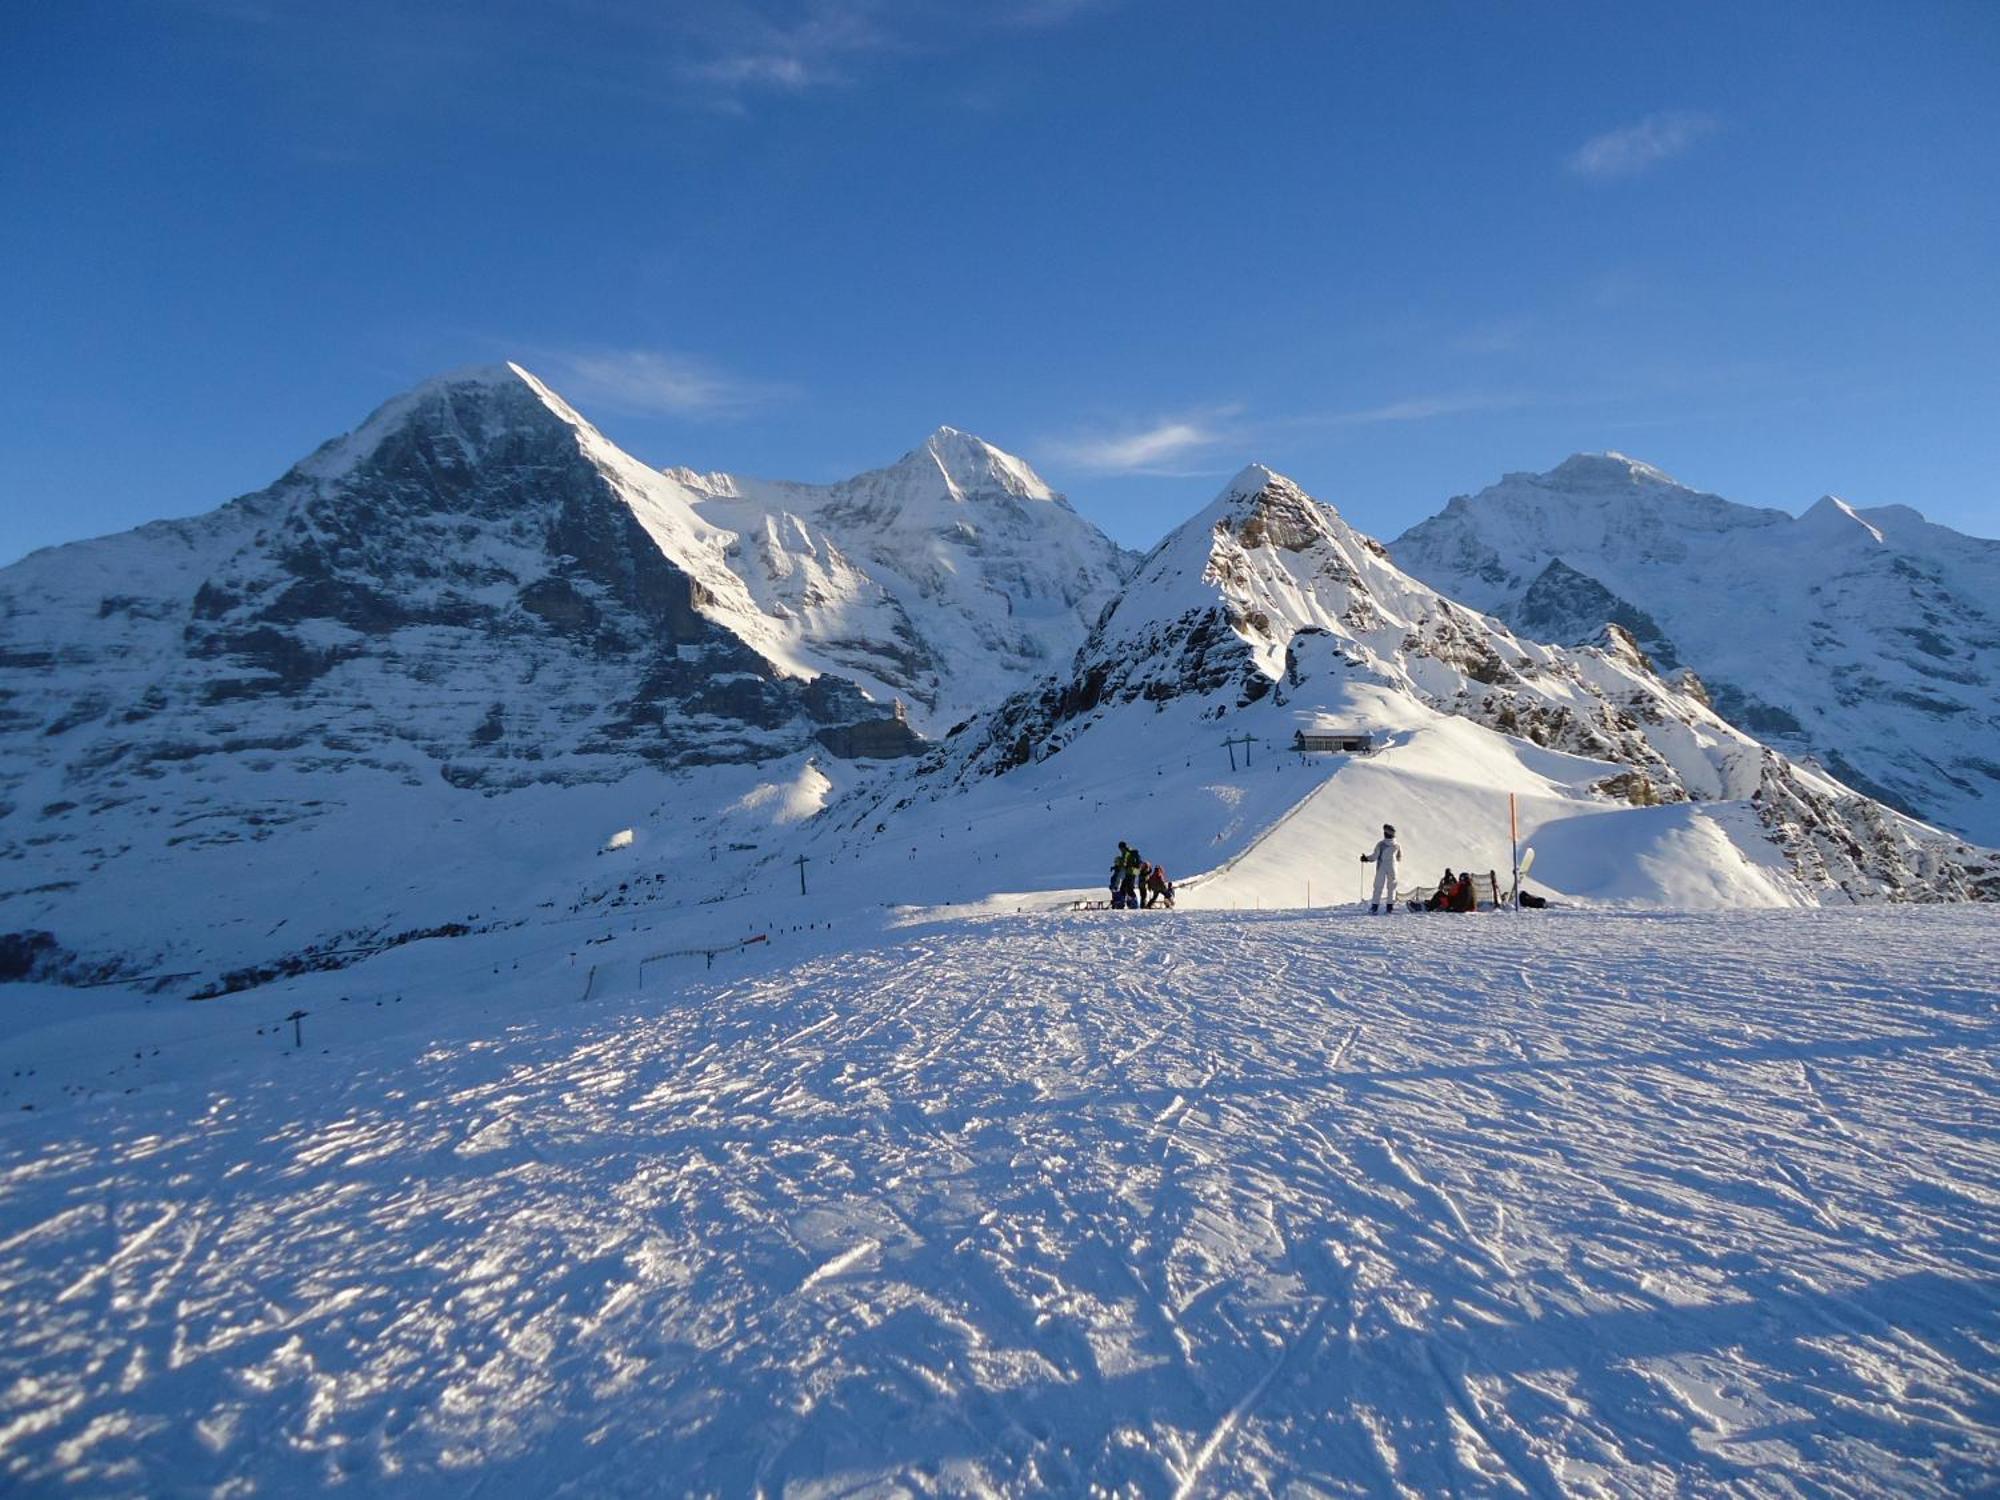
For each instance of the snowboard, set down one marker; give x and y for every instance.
(1521, 875)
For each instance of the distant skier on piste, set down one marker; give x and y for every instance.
(1383, 857)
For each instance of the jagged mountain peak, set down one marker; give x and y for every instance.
(1834, 516)
(942, 578)
(1602, 491)
(1261, 507)
(469, 407)
(1256, 494)
(950, 465)
(503, 374)
(969, 467)
(1251, 481)
(1605, 499)
(1261, 562)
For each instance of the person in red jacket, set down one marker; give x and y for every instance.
(1441, 898)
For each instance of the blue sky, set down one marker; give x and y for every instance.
(1391, 249)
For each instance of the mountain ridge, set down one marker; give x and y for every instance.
(1857, 636)
(957, 556)
(1267, 608)
(451, 652)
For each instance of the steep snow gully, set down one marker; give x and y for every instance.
(1192, 1203)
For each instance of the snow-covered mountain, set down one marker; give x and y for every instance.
(1268, 615)
(476, 592)
(417, 685)
(474, 584)
(947, 580)
(1868, 639)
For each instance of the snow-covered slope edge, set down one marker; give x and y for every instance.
(1267, 615)
(1864, 638)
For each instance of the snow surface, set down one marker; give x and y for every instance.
(1576, 1202)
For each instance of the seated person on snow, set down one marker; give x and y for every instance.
(1462, 898)
(1441, 897)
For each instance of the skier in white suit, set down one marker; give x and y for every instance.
(1384, 857)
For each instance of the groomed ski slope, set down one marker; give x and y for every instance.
(1287, 830)
(1194, 1203)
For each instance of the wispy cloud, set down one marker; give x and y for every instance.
(719, 55)
(657, 383)
(1635, 148)
(743, 47)
(1169, 446)
(814, 49)
(1155, 448)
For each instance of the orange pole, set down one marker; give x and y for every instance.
(1514, 846)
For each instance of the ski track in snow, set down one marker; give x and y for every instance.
(1182, 1204)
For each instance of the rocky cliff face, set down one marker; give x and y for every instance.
(464, 588)
(1864, 639)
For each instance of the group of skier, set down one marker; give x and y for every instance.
(1455, 891)
(1136, 883)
